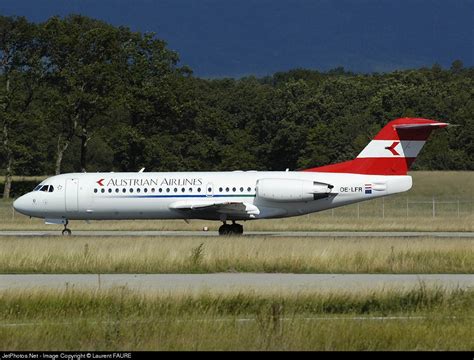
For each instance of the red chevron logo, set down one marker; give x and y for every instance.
(392, 147)
(100, 182)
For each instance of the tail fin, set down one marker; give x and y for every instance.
(392, 151)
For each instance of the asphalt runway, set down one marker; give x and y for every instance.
(351, 234)
(222, 282)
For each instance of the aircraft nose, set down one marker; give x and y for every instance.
(22, 204)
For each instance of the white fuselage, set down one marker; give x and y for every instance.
(154, 195)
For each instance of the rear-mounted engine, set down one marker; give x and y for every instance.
(289, 190)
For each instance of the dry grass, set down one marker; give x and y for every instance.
(419, 319)
(245, 254)
(323, 222)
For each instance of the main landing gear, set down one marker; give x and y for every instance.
(233, 229)
(66, 231)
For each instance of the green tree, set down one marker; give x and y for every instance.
(85, 58)
(21, 71)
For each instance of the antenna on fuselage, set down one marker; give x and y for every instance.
(142, 170)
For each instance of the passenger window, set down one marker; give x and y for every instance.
(241, 189)
(124, 190)
(227, 189)
(167, 189)
(110, 190)
(145, 190)
(117, 190)
(138, 190)
(160, 190)
(220, 189)
(183, 190)
(95, 190)
(131, 190)
(233, 189)
(102, 190)
(190, 189)
(199, 189)
(152, 190)
(249, 189)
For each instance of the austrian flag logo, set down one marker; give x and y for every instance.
(368, 188)
(100, 182)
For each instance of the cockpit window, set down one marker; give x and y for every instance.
(45, 188)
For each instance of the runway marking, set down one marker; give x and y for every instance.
(338, 234)
(245, 320)
(267, 282)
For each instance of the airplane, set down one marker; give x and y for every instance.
(379, 170)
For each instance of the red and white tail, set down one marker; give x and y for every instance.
(392, 151)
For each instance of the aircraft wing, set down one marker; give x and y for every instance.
(220, 207)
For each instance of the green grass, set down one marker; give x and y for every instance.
(241, 254)
(419, 319)
(38, 178)
(442, 184)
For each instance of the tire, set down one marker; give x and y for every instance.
(67, 232)
(238, 229)
(225, 230)
(234, 229)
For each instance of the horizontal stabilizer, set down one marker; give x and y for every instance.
(418, 126)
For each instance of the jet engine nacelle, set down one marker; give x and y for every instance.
(292, 190)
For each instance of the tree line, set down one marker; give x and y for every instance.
(78, 94)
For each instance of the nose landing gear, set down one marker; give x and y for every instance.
(233, 229)
(66, 231)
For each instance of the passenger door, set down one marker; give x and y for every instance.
(72, 187)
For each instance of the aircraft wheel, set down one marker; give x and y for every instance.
(237, 229)
(67, 232)
(225, 230)
(234, 229)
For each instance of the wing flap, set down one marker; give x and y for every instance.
(221, 207)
